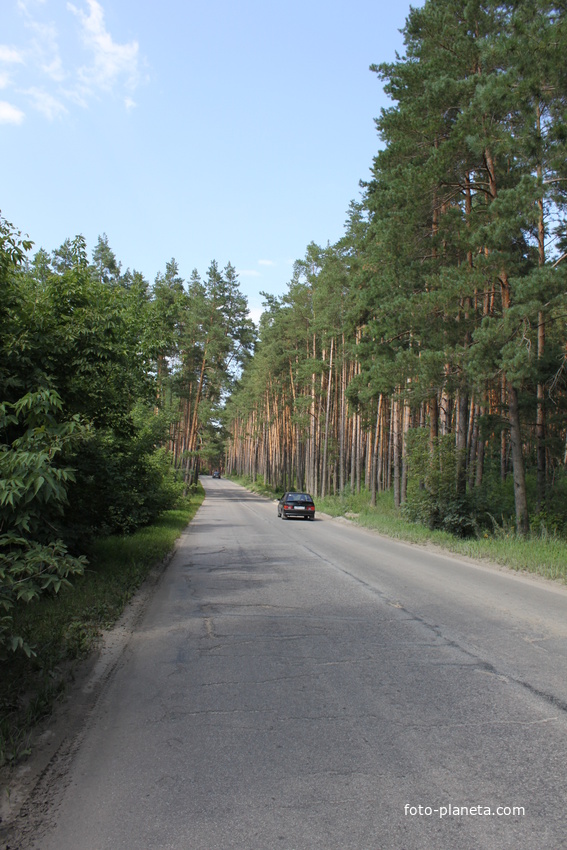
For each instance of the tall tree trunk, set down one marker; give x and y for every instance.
(503, 452)
(433, 444)
(359, 452)
(327, 412)
(353, 455)
(396, 450)
(390, 446)
(463, 408)
(480, 453)
(311, 462)
(405, 429)
(520, 493)
(541, 412)
(342, 419)
(192, 443)
(474, 444)
(375, 454)
(540, 420)
(433, 423)
(520, 496)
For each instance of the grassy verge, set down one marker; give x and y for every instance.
(64, 628)
(544, 555)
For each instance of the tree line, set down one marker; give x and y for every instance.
(426, 352)
(108, 387)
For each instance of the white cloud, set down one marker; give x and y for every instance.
(10, 114)
(46, 50)
(45, 103)
(54, 69)
(24, 4)
(255, 313)
(249, 273)
(42, 72)
(111, 61)
(11, 55)
(77, 96)
(266, 263)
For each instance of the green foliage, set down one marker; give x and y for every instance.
(84, 332)
(83, 451)
(258, 486)
(550, 521)
(433, 497)
(13, 248)
(123, 479)
(33, 493)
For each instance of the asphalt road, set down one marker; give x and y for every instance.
(309, 686)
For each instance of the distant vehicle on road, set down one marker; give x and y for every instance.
(216, 474)
(298, 505)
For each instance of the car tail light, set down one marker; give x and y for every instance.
(310, 507)
(288, 507)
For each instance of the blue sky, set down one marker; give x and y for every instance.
(234, 131)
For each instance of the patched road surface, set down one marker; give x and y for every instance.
(312, 686)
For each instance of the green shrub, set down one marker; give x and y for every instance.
(33, 492)
(433, 497)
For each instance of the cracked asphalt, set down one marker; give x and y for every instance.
(307, 686)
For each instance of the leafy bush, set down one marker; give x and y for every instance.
(551, 519)
(123, 480)
(433, 498)
(33, 491)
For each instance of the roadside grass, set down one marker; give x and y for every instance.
(543, 554)
(256, 486)
(65, 627)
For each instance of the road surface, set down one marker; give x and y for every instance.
(313, 686)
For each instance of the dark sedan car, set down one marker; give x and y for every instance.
(299, 505)
(216, 474)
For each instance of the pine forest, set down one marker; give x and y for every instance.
(425, 352)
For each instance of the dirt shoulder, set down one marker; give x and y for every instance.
(26, 788)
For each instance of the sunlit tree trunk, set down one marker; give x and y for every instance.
(327, 414)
